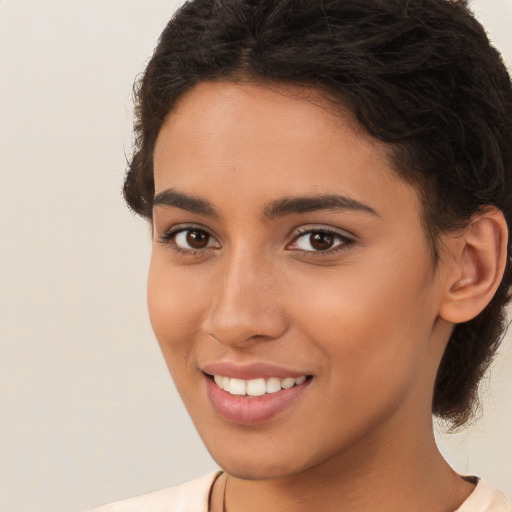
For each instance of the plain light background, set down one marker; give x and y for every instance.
(88, 413)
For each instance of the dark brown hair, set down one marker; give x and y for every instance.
(419, 75)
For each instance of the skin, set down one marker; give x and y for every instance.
(365, 318)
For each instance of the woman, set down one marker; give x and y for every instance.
(329, 186)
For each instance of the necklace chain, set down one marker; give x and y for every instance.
(224, 494)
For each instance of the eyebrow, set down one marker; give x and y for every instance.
(291, 205)
(170, 197)
(278, 208)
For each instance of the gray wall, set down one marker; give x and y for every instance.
(88, 412)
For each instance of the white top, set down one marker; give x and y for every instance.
(193, 496)
(485, 499)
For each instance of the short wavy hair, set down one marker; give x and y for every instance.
(421, 76)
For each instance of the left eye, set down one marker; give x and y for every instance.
(317, 241)
(194, 239)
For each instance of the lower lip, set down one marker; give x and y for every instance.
(248, 410)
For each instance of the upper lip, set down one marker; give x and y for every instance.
(250, 371)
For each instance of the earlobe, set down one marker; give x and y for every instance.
(478, 257)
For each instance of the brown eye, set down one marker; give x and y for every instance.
(321, 241)
(197, 239)
(192, 239)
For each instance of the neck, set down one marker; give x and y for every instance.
(403, 474)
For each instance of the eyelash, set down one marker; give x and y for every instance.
(168, 237)
(345, 242)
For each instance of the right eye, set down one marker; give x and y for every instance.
(189, 240)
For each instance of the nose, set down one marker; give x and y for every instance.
(245, 305)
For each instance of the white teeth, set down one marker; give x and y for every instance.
(273, 385)
(237, 386)
(256, 387)
(288, 383)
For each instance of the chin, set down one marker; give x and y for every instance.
(261, 460)
(246, 470)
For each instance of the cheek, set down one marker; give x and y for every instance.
(175, 306)
(368, 324)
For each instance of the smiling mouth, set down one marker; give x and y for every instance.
(256, 387)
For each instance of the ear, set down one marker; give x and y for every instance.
(474, 261)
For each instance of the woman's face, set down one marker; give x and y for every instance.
(286, 253)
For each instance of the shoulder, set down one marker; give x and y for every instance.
(485, 499)
(191, 496)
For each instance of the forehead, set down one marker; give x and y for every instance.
(214, 106)
(269, 140)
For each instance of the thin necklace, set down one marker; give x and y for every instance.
(224, 494)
